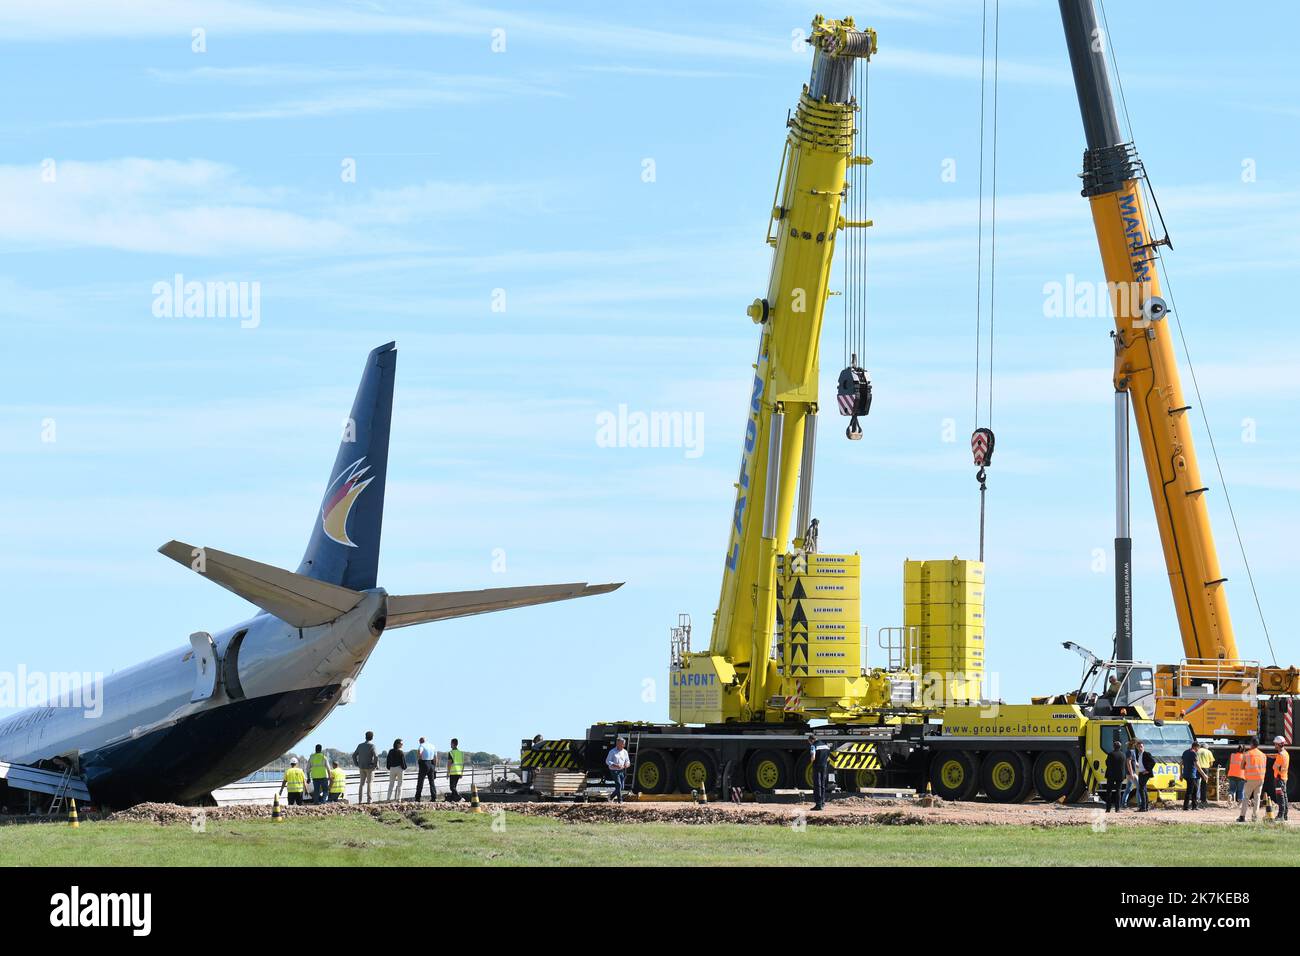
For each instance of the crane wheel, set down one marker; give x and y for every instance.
(1056, 775)
(954, 775)
(1004, 776)
(855, 781)
(768, 770)
(697, 770)
(803, 774)
(654, 772)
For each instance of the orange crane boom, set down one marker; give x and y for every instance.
(1145, 365)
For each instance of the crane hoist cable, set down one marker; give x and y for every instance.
(982, 439)
(854, 385)
(1187, 354)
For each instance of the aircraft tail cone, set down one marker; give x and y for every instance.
(473, 798)
(276, 815)
(72, 814)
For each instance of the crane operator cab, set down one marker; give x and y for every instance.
(1130, 685)
(1112, 687)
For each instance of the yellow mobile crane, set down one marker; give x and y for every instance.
(786, 646)
(1213, 687)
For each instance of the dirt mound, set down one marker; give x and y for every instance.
(846, 812)
(169, 813)
(850, 813)
(867, 811)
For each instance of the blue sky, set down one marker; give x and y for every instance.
(522, 171)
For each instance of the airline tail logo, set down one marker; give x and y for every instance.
(340, 496)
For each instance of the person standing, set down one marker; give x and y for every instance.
(820, 752)
(1146, 769)
(455, 769)
(366, 760)
(1253, 765)
(426, 766)
(318, 769)
(1129, 788)
(338, 782)
(295, 780)
(1236, 778)
(1114, 776)
(396, 764)
(1281, 769)
(617, 761)
(1192, 774)
(1205, 757)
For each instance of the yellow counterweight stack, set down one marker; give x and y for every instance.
(819, 622)
(944, 602)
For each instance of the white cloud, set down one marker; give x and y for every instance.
(189, 207)
(200, 208)
(29, 20)
(44, 20)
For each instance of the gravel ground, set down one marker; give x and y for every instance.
(854, 811)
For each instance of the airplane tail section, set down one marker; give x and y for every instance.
(344, 545)
(305, 602)
(294, 598)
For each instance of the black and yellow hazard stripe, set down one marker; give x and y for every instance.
(855, 756)
(550, 753)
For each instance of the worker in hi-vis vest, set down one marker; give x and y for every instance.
(295, 780)
(1236, 776)
(1281, 762)
(338, 780)
(455, 768)
(318, 768)
(1253, 764)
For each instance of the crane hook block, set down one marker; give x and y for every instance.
(981, 447)
(854, 394)
(854, 391)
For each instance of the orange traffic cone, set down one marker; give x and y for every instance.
(72, 814)
(276, 815)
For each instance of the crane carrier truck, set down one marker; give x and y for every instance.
(786, 648)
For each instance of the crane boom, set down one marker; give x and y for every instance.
(1145, 365)
(783, 402)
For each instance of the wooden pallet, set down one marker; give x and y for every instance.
(550, 782)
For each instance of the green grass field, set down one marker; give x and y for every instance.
(447, 839)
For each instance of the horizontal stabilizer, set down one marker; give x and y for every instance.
(406, 609)
(293, 598)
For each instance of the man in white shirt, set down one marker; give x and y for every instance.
(618, 761)
(427, 759)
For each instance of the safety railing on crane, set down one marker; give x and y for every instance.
(679, 639)
(1211, 677)
(902, 646)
